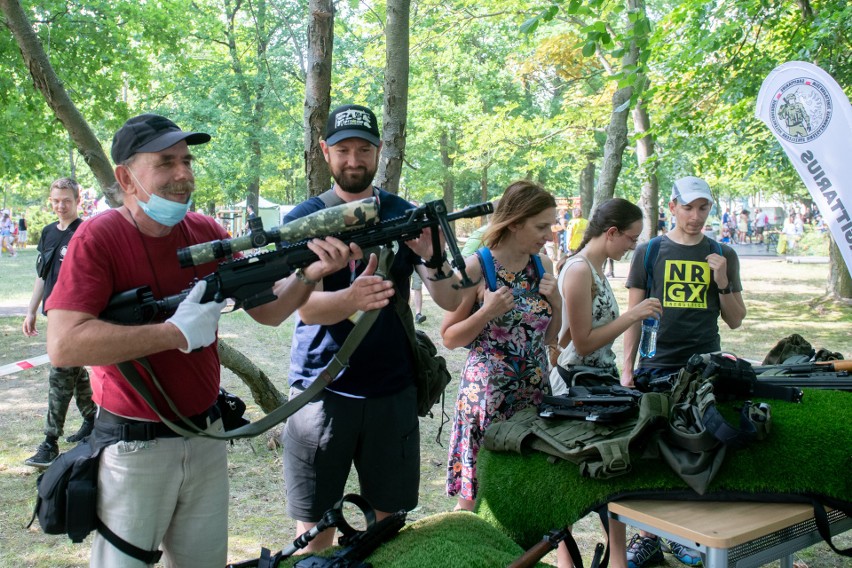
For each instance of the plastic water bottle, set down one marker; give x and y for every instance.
(648, 341)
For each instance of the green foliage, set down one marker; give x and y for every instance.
(517, 89)
(37, 219)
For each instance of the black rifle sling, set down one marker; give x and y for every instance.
(337, 364)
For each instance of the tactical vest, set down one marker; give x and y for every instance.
(600, 450)
(685, 428)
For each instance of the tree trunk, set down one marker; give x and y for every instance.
(251, 89)
(839, 281)
(396, 95)
(616, 132)
(483, 184)
(649, 200)
(263, 391)
(587, 185)
(318, 92)
(448, 183)
(46, 81)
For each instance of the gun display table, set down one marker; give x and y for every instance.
(740, 534)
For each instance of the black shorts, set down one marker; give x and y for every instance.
(381, 436)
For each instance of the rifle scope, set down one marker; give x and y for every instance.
(329, 221)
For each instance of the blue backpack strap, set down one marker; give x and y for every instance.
(717, 246)
(486, 259)
(539, 267)
(651, 252)
(488, 271)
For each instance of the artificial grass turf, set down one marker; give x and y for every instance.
(808, 451)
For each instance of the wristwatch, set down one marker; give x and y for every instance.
(726, 290)
(300, 274)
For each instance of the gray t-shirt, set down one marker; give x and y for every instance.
(683, 282)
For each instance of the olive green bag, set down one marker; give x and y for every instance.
(431, 374)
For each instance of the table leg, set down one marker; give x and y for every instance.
(717, 558)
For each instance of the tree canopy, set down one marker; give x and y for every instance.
(497, 90)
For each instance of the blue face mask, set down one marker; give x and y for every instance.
(163, 211)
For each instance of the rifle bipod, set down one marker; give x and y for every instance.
(356, 544)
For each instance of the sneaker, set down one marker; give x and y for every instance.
(419, 318)
(644, 551)
(83, 432)
(45, 455)
(686, 555)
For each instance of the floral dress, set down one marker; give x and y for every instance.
(505, 371)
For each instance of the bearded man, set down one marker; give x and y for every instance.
(368, 416)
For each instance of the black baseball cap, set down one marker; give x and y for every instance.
(352, 121)
(150, 133)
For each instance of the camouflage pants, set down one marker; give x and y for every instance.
(65, 383)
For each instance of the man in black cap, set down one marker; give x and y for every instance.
(368, 416)
(155, 488)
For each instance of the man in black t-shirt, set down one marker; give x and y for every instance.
(65, 382)
(696, 285)
(367, 416)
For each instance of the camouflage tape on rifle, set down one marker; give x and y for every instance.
(329, 221)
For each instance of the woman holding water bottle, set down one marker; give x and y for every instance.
(590, 314)
(590, 318)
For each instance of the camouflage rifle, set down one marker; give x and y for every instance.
(248, 281)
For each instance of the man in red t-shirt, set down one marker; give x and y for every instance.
(155, 488)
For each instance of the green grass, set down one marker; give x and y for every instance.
(777, 294)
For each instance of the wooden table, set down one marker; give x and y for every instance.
(731, 534)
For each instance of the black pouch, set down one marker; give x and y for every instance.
(67, 494)
(232, 409)
(43, 262)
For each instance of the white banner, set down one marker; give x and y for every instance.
(811, 117)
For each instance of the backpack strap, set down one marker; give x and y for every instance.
(651, 252)
(486, 260)
(717, 246)
(539, 267)
(329, 198)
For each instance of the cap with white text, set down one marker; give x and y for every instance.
(352, 121)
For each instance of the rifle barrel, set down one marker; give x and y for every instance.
(816, 366)
(819, 380)
(533, 555)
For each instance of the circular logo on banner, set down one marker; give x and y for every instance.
(801, 110)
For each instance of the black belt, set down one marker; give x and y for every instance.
(129, 430)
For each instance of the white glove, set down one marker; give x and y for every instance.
(196, 321)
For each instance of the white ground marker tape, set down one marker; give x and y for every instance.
(23, 365)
